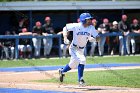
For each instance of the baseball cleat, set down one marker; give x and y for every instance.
(82, 83)
(61, 75)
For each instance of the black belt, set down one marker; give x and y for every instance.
(78, 47)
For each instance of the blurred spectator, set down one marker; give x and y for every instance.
(8, 46)
(47, 31)
(1, 50)
(124, 28)
(65, 47)
(24, 46)
(113, 39)
(135, 28)
(37, 31)
(23, 23)
(78, 20)
(103, 28)
(93, 44)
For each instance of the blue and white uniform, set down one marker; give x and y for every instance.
(81, 35)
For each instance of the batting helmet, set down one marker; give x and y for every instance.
(85, 16)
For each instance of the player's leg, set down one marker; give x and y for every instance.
(128, 44)
(102, 44)
(72, 63)
(133, 43)
(49, 45)
(45, 46)
(22, 51)
(64, 49)
(38, 47)
(29, 51)
(93, 45)
(82, 62)
(6, 52)
(12, 52)
(1, 52)
(80, 74)
(35, 46)
(121, 46)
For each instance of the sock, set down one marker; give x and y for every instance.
(80, 71)
(66, 68)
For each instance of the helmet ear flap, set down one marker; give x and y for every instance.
(83, 21)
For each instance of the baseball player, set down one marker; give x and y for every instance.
(135, 28)
(24, 45)
(37, 31)
(82, 33)
(47, 30)
(124, 28)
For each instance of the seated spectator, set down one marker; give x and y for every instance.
(8, 46)
(113, 39)
(37, 31)
(24, 46)
(135, 28)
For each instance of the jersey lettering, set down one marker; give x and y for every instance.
(83, 33)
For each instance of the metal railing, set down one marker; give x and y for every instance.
(17, 37)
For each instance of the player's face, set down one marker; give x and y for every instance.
(88, 22)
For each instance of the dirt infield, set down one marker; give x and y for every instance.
(23, 80)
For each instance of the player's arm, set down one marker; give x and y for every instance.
(44, 34)
(25, 33)
(59, 33)
(95, 36)
(65, 35)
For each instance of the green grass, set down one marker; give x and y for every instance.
(64, 61)
(121, 78)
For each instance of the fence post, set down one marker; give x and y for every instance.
(16, 46)
(59, 43)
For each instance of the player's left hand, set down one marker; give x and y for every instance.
(66, 41)
(92, 39)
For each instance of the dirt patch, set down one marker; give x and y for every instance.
(23, 80)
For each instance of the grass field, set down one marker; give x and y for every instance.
(64, 61)
(121, 78)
